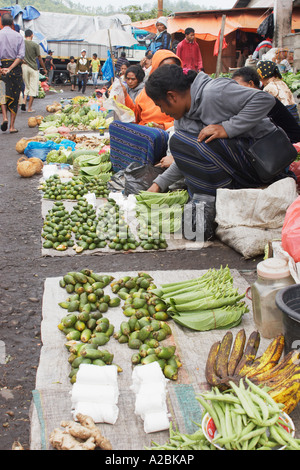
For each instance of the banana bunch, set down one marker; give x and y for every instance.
(234, 358)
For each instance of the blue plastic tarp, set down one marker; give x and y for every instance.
(29, 12)
(107, 68)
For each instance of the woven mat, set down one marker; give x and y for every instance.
(51, 400)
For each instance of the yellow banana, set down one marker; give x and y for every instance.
(284, 391)
(283, 376)
(290, 358)
(237, 351)
(250, 352)
(210, 371)
(267, 360)
(221, 363)
(292, 402)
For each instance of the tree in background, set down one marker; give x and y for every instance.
(136, 13)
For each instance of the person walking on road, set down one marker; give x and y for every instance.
(12, 53)
(50, 67)
(30, 70)
(71, 68)
(82, 70)
(189, 52)
(95, 68)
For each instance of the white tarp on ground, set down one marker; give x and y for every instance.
(63, 26)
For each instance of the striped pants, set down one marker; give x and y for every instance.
(222, 163)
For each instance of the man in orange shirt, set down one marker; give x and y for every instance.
(189, 52)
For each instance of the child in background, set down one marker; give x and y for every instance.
(123, 69)
(71, 68)
(95, 68)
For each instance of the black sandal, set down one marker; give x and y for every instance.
(4, 126)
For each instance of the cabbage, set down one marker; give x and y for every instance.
(56, 156)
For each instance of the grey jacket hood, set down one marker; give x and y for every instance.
(242, 111)
(133, 92)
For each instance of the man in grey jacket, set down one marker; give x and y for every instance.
(216, 122)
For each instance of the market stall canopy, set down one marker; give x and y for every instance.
(207, 25)
(111, 37)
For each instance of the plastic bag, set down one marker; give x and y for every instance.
(117, 182)
(66, 143)
(290, 237)
(116, 103)
(139, 177)
(40, 149)
(198, 220)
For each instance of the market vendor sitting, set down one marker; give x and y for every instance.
(216, 121)
(146, 140)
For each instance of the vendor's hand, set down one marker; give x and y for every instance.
(5, 71)
(157, 126)
(166, 161)
(124, 89)
(212, 132)
(154, 188)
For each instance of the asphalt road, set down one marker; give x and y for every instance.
(23, 271)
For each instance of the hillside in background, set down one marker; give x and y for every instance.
(146, 10)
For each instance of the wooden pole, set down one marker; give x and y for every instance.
(111, 53)
(160, 8)
(283, 10)
(219, 60)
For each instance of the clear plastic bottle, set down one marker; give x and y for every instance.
(273, 274)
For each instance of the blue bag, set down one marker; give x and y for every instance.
(40, 149)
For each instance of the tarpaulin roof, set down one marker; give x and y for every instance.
(207, 25)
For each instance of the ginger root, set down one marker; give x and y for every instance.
(62, 440)
(100, 441)
(79, 436)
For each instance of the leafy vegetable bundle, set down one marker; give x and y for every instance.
(91, 165)
(292, 80)
(205, 303)
(164, 210)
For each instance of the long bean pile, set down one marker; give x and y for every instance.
(247, 418)
(205, 303)
(181, 441)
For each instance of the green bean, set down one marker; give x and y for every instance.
(287, 437)
(221, 418)
(276, 436)
(264, 394)
(262, 405)
(246, 403)
(250, 435)
(210, 411)
(228, 422)
(250, 426)
(223, 398)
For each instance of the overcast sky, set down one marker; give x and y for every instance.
(222, 4)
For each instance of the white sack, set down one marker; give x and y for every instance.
(155, 422)
(99, 412)
(147, 373)
(148, 402)
(94, 393)
(250, 218)
(97, 375)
